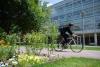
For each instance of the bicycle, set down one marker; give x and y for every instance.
(74, 43)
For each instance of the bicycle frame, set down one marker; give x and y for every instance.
(78, 38)
(76, 43)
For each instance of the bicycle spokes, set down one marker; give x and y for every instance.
(76, 45)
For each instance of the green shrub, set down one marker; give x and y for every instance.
(36, 41)
(35, 38)
(6, 52)
(11, 39)
(29, 60)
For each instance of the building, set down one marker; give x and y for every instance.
(83, 13)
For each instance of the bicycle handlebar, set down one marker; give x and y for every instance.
(76, 35)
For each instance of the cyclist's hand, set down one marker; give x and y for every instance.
(74, 35)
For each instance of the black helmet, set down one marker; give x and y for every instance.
(70, 24)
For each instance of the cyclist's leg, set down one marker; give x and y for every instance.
(59, 40)
(65, 40)
(65, 36)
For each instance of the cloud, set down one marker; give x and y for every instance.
(49, 4)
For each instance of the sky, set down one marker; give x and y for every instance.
(51, 2)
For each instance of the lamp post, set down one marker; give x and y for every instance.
(82, 15)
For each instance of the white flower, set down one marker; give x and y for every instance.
(6, 64)
(10, 60)
(2, 65)
(14, 62)
(1, 62)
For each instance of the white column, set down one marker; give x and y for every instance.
(95, 38)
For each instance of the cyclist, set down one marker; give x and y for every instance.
(65, 32)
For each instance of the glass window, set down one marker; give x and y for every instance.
(88, 12)
(98, 25)
(97, 3)
(68, 5)
(76, 15)
(78, 23)
(89, 20)
(96, 0)
(61, 17)
(97, 19)
(86, 2)
(88, 5)
(69, 16)
(55, 18)
(97, 10)
(60, 10)
(77, 4)
(89, 26)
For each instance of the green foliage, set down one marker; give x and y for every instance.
(22, 15)
(51, 30)
(37, 39)
(6, 52)
(72, 62)
(1, 30)
(3, 35)
(11, 39)
(29, 60)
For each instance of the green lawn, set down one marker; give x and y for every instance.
(97, 48)
(92, 48)
(72, 62)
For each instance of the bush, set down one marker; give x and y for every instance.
(6, 52)
(29, 60)
(35, 39)
(11, 39)
(8, 39)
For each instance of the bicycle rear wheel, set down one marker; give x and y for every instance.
(59, 47)
(76, 46)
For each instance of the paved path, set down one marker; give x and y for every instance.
(69, 53)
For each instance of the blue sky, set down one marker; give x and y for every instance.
(51, 2)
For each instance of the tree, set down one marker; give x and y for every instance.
(22, 15)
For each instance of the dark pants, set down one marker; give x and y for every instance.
(65, 41)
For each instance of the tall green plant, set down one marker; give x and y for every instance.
(51, 31)
(36, 40)
(11, 39)
(6, 52)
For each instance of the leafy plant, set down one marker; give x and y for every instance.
(11, 39)
(36, 40)
(29, 60)
(51, 31)
(6, 52)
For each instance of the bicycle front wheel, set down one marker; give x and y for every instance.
(76, 46)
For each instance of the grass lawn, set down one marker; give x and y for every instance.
(72, 62)
(92, 48)
(97, 48)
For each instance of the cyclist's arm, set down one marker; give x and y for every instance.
(69, 31)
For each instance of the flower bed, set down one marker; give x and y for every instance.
(9, 57)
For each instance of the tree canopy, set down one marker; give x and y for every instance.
(22, 15)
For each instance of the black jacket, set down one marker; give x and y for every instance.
(63, 30)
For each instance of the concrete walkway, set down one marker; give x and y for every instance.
(68, 53)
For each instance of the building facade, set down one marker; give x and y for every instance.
(83, 13)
